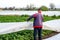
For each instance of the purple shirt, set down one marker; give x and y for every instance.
(38, 19)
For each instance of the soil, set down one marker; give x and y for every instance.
(50, 35)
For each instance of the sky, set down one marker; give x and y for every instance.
(24, 3)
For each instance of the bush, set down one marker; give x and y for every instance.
(54, 16)
(44, 8)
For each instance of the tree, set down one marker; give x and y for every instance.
(44, 8)
(5, 8)
(52, 6)
(13, 7)
(27, 7)
(30, 7)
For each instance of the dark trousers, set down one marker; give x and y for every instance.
(37, 31)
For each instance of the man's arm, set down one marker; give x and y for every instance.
(29, 18)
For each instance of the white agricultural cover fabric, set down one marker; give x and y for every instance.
(18, 26)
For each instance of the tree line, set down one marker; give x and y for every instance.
(32, 7)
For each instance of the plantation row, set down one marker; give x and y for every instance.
(23, 35)
(22, 18)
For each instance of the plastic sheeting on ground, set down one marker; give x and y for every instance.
(52, 25)
(17, 26)
(56, 37)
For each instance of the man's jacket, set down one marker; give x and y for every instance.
(38, 19)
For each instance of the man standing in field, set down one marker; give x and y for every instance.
(37, 25)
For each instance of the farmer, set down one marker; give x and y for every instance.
(37, 25)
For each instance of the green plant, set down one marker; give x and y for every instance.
(22, 18)
(23, 35)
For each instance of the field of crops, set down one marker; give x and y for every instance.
(25, 34)
(22, 18)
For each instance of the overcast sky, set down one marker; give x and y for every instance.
(23, 3)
